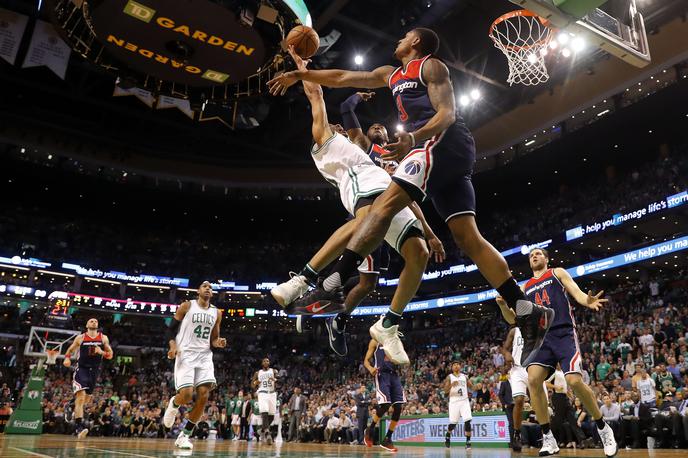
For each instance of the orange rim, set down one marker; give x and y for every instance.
(517, 13)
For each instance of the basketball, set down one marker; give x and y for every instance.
(304, 40)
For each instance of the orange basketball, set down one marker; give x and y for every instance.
(304, 39)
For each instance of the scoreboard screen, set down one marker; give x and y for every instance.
(58, 315)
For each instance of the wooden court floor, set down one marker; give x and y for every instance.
(54, 446)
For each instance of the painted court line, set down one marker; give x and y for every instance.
(120, 453)
(29, 452)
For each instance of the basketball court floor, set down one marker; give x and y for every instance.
(55, 446)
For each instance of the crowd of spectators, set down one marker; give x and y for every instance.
(642, 330)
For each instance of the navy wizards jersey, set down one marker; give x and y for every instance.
(375, 152)
(548, 291)
(382, 363)
(87, 355)
(411, 95)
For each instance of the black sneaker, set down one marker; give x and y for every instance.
(387, 444)
(468, 445)
(447, 441)
(534, 322)
(516, 445)
(318, 302)
(337, 338)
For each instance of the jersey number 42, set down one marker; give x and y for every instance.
(202, 332)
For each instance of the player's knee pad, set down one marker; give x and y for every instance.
(467, 426)
(396, 412)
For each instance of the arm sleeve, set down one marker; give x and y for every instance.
(172, 330)
(347, 108)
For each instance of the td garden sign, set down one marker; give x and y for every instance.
(194, 42)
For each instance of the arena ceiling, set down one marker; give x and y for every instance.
(82, 107)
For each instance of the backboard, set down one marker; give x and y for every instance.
(617, 28)
(42, 339)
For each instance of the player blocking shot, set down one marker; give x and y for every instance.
(195, 328)
(456, 385)
(436, 154)
(264, 382)
(93, 346)
(389, 391)
(552, 288)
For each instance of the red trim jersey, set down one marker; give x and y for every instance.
(87, 355)
(547, 290)
(411, 95)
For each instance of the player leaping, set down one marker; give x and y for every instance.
(195, 327)
(437, 154)
(93, 347)
(345, 165)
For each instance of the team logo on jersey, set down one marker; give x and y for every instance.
(413, 168)
(33, 394)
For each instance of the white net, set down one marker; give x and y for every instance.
(523, 37)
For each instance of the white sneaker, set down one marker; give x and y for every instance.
(183, 442)
(235, 439)
(170, 414)
(608, 441)
(287, 292)
(549, 445)
(390, 341)
(83, 433)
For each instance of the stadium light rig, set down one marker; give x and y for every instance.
(358, 60)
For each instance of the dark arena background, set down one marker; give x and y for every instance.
(142, 156)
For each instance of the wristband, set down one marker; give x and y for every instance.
(413, 139)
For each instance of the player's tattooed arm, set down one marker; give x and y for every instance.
(446, 385)
(215, 339)
(590, 300)
(435, 244)
(72, 348)
(332, 78)
(441, 94)
(368, 356)
(508, 346)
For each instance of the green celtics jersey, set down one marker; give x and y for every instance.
(237, 406)
(665, 381)
(256, 409)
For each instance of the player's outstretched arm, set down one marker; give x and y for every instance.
(590, 300)
(332, 78)
(72, 348)
(350, 121)
(215, 339)
(368, 356)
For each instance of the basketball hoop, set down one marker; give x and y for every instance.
(523, 37)
(51, 356)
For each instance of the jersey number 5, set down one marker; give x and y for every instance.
(202, 332)
(403, 116)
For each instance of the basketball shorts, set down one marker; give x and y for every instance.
(388, 388)
(377, 261)
(256, 420)
(441, 169)
(85, 379)
(236, 419)
(560, 346)
(194, 369)
(460, 409)
(370, 180)
(267, 403)
(518, 379)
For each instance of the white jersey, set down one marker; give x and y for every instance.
(647, 390)
(197, 325)
(460, 391)
(337, 156)
(517, 347)
(266, 380)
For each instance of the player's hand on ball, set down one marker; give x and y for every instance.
(365, 96)
(67, 362)
(220, 342)
(171, 353)
(301, 64)
(437, 249)
(594, 302)
(397, 151)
